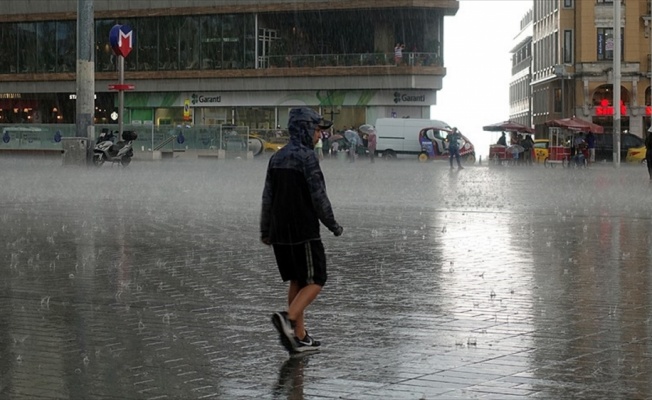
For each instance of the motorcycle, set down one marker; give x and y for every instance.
(120, 152)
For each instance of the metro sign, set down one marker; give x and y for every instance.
(122, 39)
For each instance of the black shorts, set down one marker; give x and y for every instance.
(304, 263)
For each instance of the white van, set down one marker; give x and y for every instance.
(401, 135)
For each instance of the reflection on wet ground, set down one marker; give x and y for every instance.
(150, 283)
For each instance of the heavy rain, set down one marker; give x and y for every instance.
(150, 281)
(134, 267)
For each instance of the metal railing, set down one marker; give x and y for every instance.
(163, 138)
(349, 60)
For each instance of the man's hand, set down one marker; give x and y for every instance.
(338, 231)
(265, 240)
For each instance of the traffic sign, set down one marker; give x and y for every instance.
(125, 86)
(122, 39)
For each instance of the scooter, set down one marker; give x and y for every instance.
(120, 152)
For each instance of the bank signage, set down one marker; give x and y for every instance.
(402, 97)
(204, 99)
(340, 98)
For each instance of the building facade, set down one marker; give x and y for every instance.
(572, 69)
(239, 62)
(520, 90)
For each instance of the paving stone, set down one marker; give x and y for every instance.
(492, 283)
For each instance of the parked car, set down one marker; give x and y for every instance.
(630, 144)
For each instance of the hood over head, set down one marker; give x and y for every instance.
(301, 125)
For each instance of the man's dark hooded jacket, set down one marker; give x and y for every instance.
(294, 198)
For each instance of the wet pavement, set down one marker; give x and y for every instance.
(488, 283)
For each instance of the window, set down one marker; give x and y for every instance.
(104, 58)
(211, 41)
(66, 46)
(568, 3)
(606, 43)
(46, 46)
(147, 42)
(558, 100)
(189, 43)
(568, 47)
(8, 38)
(26, 43)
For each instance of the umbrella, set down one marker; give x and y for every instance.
(507, 126)
(336, 136)
(352, 137)
(367, 128)
(515, 148)
(575, 124)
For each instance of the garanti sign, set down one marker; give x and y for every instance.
(198, 99)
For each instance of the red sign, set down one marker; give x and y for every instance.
(606, 110)
(125, 86)
(121, 38)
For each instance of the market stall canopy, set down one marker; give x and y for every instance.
(575, 124)
(507, 126)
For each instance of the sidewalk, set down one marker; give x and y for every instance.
(485, 283)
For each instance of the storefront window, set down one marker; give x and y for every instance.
(255, 117)
(46, 46)
(211, 42)
(189, 43)
(66, 46)
(8, 41)
(232, 38)
(104, 58)
(169, 43)
(26, 45)
(147, 42)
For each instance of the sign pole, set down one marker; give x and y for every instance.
(85, 105)
(121, 38)
(616, 85)
(121, 96)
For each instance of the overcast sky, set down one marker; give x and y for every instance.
(477, 42)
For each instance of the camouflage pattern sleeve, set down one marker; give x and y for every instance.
(317, 186)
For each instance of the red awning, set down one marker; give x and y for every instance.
(575, 124)
(507, 126)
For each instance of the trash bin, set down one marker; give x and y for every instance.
(74, 150)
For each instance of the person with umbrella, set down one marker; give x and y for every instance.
(353, 140)
(370, 131)
(453, 139)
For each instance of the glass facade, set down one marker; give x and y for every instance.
(162, 43)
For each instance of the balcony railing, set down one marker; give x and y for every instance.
(349, 60)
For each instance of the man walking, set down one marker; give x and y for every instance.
(453, 139)
(294, 202)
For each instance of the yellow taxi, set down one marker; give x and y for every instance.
(259, 144)
(540, 150)
(636, 154)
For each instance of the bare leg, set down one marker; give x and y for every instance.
(299, 298)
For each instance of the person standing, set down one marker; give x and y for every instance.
(294, 202)
(371, 145)
(318, 137)
(528, 145)
(502, 140)
(398, 54)
(453, 139)
(590, 143)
